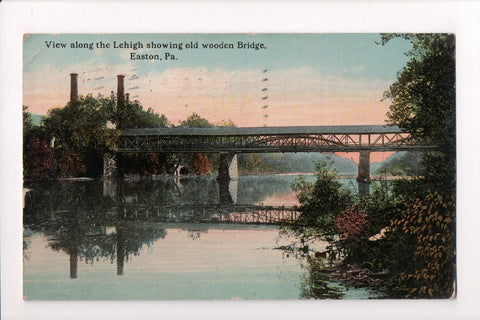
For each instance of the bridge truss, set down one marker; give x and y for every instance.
(269, 139)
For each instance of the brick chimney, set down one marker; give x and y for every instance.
(120, 91)
(73, 87)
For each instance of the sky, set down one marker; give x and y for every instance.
(298, 79)
(278, 80)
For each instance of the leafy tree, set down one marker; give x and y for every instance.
(225, 123)
(320, 202)
(39, 159)
(200, 163)
(195, 121)
(132, 115)
(80, 128)
(70, 163)
(27, 121)
(423, 102)
(430, 223)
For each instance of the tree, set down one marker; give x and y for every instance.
(38, 160)
(132, 115)
(430, 223)
(195, 121)
(320, 204)
(199, 162)
(80, 129)
(423, 102)
(27, 121)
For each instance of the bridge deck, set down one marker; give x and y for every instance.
(269, 139)
(252, 131)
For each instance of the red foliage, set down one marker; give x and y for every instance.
(200, 163)
(152, 164)
(70, 163)
(38, 159)
(351, 223)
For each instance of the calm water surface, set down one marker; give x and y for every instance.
(167, 239)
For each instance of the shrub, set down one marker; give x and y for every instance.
(431, 223)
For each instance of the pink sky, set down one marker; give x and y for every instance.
(295, 97)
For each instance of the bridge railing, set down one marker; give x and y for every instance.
(384, 141)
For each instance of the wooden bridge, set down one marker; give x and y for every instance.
(231, 140)
(269, 139)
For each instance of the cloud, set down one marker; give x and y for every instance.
(249, 97)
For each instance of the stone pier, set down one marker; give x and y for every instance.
(227, 191)
(228, 168)
(109, 166)
(363, 177)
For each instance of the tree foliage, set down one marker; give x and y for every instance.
(351, 223)
(430, 223)
(200, 163)
(39, 159)
(82, 135)
(132, 115)
(196, 121)
(80, 130)
(320, 202)
(423, 102)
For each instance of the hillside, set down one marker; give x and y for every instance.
(400, 163)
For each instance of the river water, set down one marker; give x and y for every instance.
(166, 238)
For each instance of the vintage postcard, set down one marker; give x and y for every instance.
(239, 166)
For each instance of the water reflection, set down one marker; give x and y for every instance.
(318, 282)
(115, 221)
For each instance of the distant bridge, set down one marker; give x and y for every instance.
(269, 139)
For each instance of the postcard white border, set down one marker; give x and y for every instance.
(462, 18)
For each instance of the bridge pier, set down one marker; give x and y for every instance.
(363, 177)
(227, 191)
(73, 263)
(109, 165)
(228, 168)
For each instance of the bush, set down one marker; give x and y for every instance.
(431, 223)
(320, 203)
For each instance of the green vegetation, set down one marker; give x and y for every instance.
(78, 136)
(415, 251)
(400, 164)
(256, 163)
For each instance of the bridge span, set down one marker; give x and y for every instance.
(352, 138)
(229, 141)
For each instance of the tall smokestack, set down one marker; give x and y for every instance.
(120, 91)
(73, 87)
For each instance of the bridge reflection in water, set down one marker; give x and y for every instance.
(114, 219)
